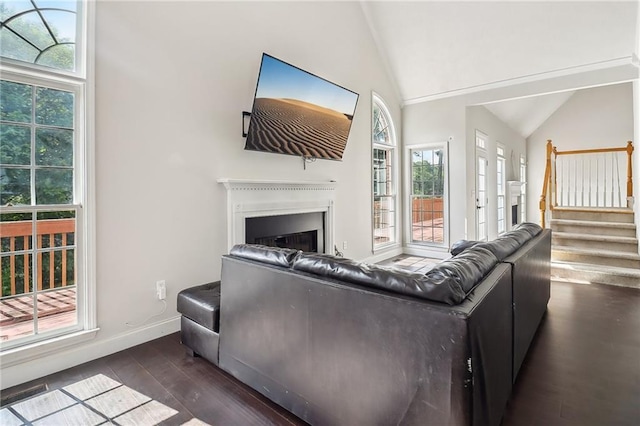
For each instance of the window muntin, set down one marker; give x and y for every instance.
(384, 176)
(40, 32)
(36, 154)
(384, 213)
(39, 232)
(428, 184)
(481, 140)
(381, 128)
(39, 291)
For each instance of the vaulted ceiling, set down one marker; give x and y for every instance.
(441, 49)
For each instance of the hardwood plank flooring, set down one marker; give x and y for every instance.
(583, 369)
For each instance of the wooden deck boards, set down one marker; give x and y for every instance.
(56, 309)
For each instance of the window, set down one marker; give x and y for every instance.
(428, 184)
(482, 199)
(384, 176)
(43, 172)
(523, 195)
(501, 189)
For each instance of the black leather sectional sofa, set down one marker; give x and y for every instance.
(341, 342)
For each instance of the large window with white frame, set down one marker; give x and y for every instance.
(501, 189)
(44, 171)
(384, 176)
(428, 199)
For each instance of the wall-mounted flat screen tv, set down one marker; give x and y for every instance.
(298, 113)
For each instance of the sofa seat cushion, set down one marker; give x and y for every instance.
(201, 304)
(265, 254)
(443, 288)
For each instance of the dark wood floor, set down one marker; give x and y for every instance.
(583, 369)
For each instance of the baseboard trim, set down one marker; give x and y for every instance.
(383, 255)
(68, 357)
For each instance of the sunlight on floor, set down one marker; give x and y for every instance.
(93, 401)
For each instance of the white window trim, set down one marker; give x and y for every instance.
(503, 184)
(415, 247)
(395, 153)
(523, 180)
(82, 82)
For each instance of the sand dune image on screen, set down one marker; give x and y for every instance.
(290, 126)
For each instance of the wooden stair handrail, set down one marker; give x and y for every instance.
(545, 185)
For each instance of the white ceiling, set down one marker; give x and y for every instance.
(439, 49)
(526, 115)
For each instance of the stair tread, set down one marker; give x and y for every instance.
(597, 252)
(587, 267)
(591, 223)
(622, 210)
(596, 237)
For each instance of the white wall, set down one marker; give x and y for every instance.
(171, 81)
(479, 118)
(600, 117)
(440, 121)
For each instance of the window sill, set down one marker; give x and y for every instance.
(425, 250)
(37, 350)
(382, 253)
(383, 248)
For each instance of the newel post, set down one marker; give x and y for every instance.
(545, 185)
(629, 172)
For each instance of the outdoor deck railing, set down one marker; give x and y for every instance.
(52, 237)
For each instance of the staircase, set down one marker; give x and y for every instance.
(595, 245)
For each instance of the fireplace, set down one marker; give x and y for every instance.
(515, 214)
(281, 204)
(302, 231)
(514, 197)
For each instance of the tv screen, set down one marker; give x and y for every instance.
(298, 113)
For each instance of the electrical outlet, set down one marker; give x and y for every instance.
(344, 245)
(161, 289)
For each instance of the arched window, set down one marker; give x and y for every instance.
(384, 176)
(40, 32)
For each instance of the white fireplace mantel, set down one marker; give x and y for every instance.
(255, 198)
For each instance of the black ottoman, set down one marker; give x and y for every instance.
(200, 321)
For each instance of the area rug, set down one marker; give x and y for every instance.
(94, 401)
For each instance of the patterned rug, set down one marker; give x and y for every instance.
(94, 401)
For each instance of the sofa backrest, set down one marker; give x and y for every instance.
(380, 355)
(448, 282)
(503, 246)
(440, 288)
(265, 254)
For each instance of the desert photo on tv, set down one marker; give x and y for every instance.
(297, 113)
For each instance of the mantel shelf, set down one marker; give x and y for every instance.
(233, 184)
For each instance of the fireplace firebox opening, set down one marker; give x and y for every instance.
(302, 231)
